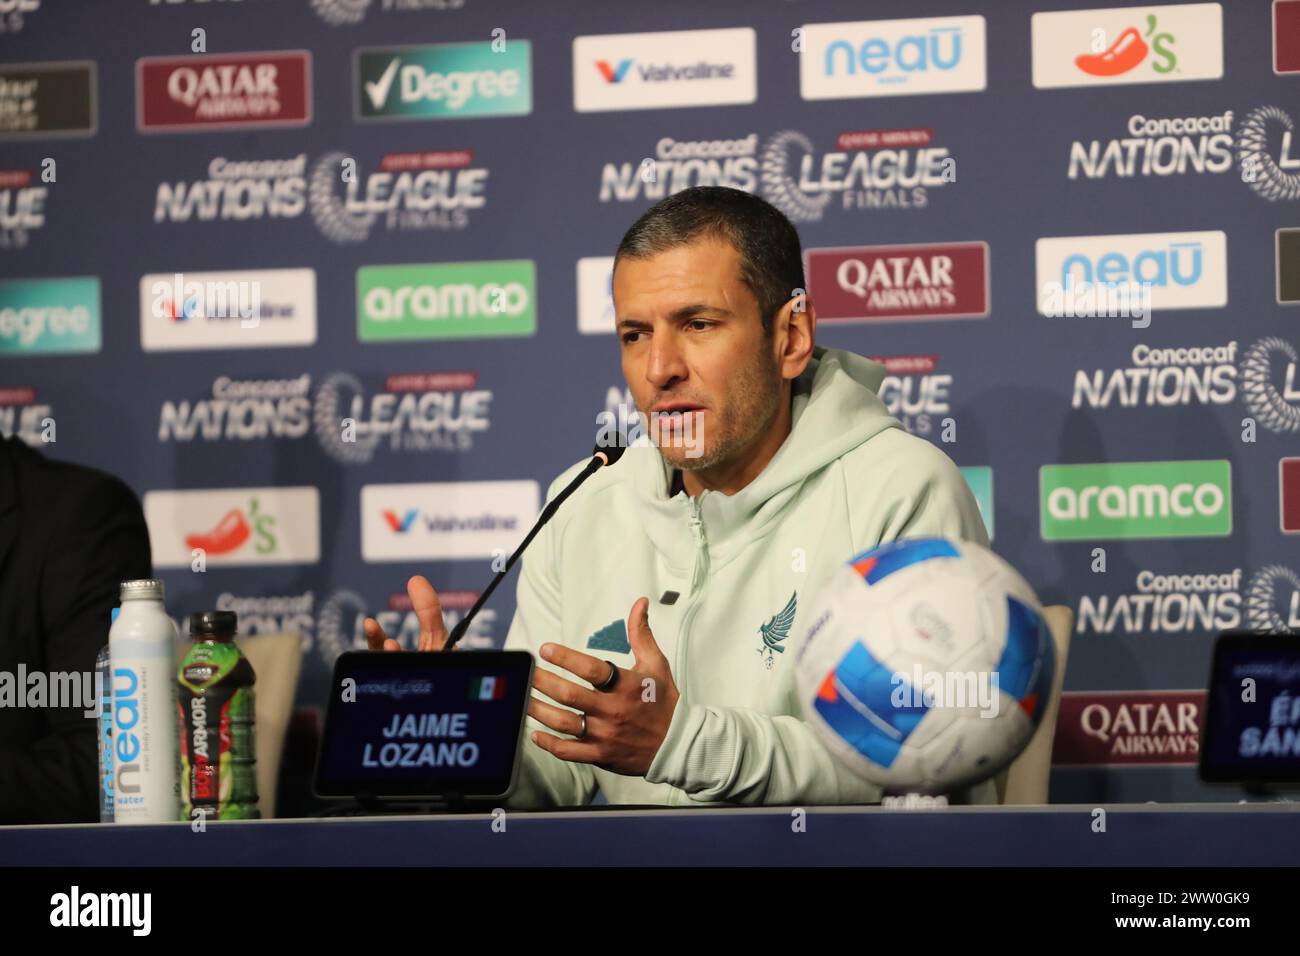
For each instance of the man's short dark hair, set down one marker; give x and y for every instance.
(771, 262)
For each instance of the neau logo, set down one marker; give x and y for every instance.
(892, 57)
(1176, 270)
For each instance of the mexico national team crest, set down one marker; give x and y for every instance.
(776, 630)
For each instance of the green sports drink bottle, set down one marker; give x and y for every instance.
(215, 704)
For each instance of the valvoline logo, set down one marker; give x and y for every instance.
(403, 524)
(614, 74)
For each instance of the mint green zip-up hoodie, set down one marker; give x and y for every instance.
(847, 478)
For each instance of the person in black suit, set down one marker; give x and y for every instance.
(68, 536)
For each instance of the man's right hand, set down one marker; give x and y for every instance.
(428, 611)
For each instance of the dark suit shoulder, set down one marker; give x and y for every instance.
(45, 480)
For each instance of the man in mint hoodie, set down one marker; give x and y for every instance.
(773, 462)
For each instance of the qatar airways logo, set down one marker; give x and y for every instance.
(222, 91)
(238, 190)
(1264, 376)
(884, 283)
(867, 170)
(1128, 727)
(408, 192)
(417, 412)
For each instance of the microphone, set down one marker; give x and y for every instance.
(600, 458)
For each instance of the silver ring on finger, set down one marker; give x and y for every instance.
(582, 728)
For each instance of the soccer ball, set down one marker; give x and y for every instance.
(927, 665)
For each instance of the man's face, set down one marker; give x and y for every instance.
(693, 344)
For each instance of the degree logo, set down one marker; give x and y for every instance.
(404, 524)
(613, 75)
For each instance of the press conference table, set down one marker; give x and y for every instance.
(1256, 834)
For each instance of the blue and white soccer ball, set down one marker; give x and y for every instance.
(927, 665)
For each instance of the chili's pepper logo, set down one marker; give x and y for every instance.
(1130, 50)
(234, 530)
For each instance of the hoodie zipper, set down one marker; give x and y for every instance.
(699, 574)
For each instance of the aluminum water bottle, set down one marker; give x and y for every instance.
(142, 648)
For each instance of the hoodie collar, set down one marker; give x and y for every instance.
(834, 408)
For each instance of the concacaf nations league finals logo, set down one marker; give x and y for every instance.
(1278, 410)
(1273, 601)
(332, 216)
(1260, 170)
(345, 13)
(341, 12)
(867, 169)
(410, 191)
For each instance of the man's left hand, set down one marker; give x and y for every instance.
(627, 724)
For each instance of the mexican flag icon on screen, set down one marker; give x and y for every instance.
(487, 688)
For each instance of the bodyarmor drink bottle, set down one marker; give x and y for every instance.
(215, 706)
(141, 646)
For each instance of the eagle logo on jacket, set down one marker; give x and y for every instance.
(776, 630)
